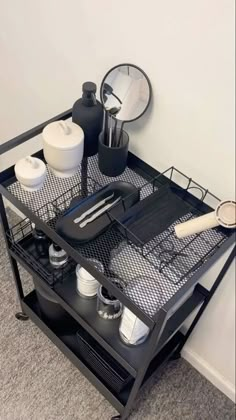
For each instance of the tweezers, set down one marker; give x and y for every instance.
(92, 209)
(99, 213)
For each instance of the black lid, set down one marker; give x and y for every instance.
(39, 231)
(56, 247)
(89, 87)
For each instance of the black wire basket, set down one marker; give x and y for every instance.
(153, 235)
(22, 243)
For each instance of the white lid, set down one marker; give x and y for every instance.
(30, 168)
(84, 274)
(63, 134)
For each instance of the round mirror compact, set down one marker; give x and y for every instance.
(126, 92)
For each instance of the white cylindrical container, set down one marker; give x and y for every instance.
(31, 173)
(87, 285)
(132, 330)
(146, 293)
(63, 145)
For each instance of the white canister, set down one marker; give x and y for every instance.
(87, 285)
(63, 145)
(132, 330)
(31, 173)
(146, 293)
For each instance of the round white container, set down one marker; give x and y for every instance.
(63, 145)
(132, 330)
(147, 293)
(87, 285)
(31, 173)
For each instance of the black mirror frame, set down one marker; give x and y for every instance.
(149, 85)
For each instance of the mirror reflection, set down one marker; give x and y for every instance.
(126, 92)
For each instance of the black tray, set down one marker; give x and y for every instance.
(72, 232)
(153, 215)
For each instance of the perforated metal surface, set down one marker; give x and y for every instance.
(120, 257)
(54, 187)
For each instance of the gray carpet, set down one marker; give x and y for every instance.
(38, 383)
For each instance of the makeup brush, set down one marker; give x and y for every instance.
(105, 127)
(110, 132)
(112, 112)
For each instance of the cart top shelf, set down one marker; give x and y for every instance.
(119, 255)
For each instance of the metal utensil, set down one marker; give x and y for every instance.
(168, 252)
(99, 213)
(92, 209)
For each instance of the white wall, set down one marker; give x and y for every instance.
(49, 48)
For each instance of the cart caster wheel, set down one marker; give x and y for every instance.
(115, 417)
(21, 316)
(175, 356)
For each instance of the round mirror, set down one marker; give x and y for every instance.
(126, 92)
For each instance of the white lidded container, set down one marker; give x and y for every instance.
(132, 330)
(31, 173)
(145, 292)
(63, 145)
(87, 285)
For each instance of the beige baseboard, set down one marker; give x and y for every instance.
(210, 373)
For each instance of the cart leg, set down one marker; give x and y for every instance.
(175, 356)
(153, 342)
(207, 300)
(14, 267)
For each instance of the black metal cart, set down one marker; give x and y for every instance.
(181, 291)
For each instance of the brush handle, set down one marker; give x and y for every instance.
(121, 133)
(197, 225)
(106, 128)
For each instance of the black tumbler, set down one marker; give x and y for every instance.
(112, 161)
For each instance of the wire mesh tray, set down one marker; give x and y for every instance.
(22, 242)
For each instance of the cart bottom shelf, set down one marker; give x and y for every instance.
(68, 344)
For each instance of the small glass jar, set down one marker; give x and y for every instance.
(37, 233)
(57, 256)
(87, 285)
(41, 241)
(108, 306)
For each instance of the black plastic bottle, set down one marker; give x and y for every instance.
(88, 113)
